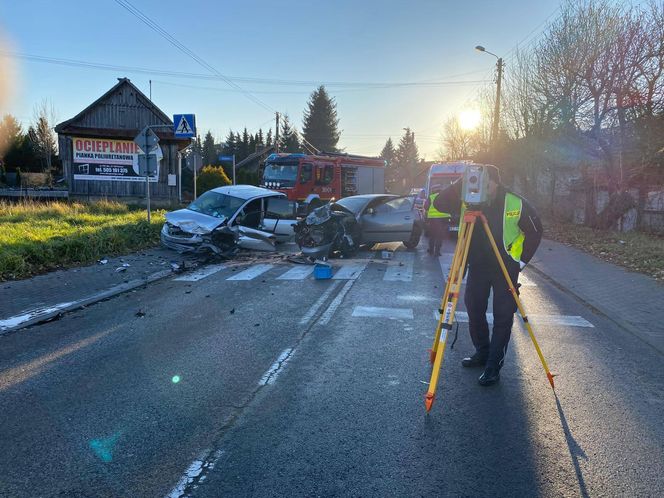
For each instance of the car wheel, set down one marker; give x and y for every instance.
(414, 238)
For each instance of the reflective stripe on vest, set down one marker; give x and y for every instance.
(513, 237)
(432, 212)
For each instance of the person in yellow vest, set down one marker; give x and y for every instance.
(437, 225)
(518, 231)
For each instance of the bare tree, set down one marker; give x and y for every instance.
(457, 142)
(44, 138)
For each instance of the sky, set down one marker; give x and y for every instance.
(277, 52)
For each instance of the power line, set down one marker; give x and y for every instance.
(207, 77)
(184, 49)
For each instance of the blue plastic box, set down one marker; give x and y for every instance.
(322, 272)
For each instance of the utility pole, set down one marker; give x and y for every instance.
(496, 111)
(276, 133)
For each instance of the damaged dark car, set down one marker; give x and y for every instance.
(343, 226)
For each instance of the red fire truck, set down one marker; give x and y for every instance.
(315, 179)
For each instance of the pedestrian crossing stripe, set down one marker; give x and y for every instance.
(536, 319)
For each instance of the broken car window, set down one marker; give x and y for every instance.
(216, 204)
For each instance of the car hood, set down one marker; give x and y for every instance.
(192, 222)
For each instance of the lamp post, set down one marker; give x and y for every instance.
(496, 111)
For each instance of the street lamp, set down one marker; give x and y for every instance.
(496, 112)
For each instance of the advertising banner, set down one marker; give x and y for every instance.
(109, 160)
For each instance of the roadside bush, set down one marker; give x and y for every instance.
(211, 177)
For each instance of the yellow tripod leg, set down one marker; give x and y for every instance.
(451, 277)
(549, 375)
(446, 318)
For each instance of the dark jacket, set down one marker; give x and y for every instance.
(480, 254)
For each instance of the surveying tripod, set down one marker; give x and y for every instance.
(451, 298)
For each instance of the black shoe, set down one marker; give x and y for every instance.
(476, 360)
(490, 376)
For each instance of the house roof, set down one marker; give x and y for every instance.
(69, 126)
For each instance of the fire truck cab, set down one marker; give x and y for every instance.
(315, 179)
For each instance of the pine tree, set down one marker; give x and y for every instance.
(209, 151)
(230, 144)
(260, 140)
(320, 121)
(10, 133)
(289, 141)
(268, 138)
(406, 160)
(389, 154)
(244, 145)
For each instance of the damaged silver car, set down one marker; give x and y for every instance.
(224, 219)
(343, 226)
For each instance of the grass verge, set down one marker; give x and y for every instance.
(636, 251)
(36, 237)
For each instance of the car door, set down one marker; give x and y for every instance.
(388, 221)
(279, 217)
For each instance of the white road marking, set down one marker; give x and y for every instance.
(400, 269)
(197, 275)
(299, 272)
(16, 320)
(270, 376)
(535, 319)
(350, 271)
(327, 316)
(321, 300)
(205, 461)
(445, 261)
(251, 272)
(390, 313)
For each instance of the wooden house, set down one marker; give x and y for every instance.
(99, 157)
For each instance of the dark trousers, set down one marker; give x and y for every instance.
(436, 230)
(480, 282)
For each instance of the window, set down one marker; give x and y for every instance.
(398, 204)
(306, 173)
(216, 204)
(324, 174)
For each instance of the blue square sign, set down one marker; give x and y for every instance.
(184, 125)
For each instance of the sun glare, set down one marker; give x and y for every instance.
(469, 119)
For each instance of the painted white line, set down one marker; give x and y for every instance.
(350, 272)
(16, 320)
(535, 319)
(445, 261)
(270, 376)
(251, 272)
(400, 269)
(299, 272)
(316, 306)
(390, 313)
(204, 462)
(197, 275)
(327, 315)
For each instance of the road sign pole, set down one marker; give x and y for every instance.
(195, 176)
(233, 169)
(147, 173)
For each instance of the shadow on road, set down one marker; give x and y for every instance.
(575, 451)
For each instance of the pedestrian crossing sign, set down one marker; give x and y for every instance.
(184, 125)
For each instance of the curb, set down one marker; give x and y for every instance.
(617, 321)
(44, 315)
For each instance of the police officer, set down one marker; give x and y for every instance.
(437, 225)
(518, 231)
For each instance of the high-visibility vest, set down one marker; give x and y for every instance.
(513, 236)
(432, 212)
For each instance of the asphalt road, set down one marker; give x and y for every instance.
(266, 386)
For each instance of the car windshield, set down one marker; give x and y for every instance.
(353, 204)
(283, 174)
(216, 204)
